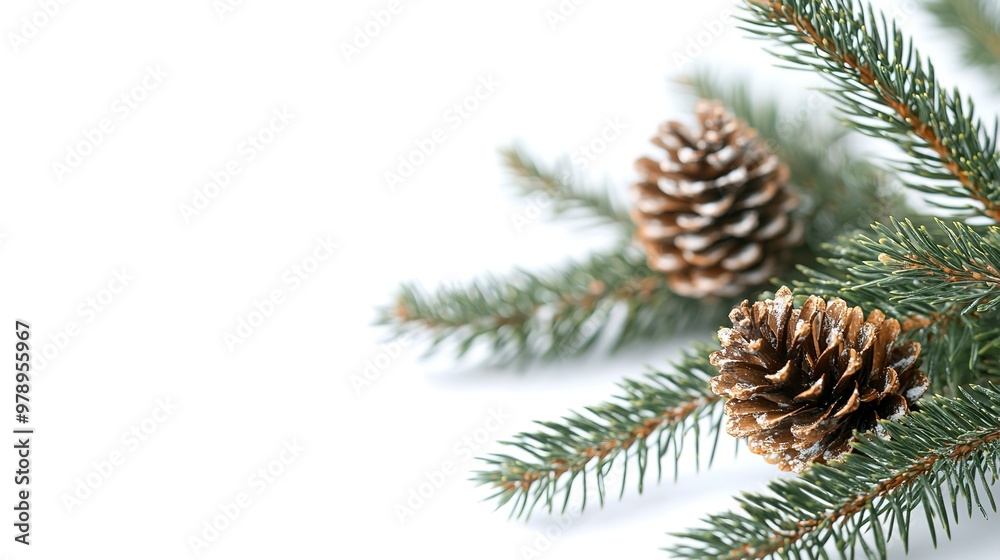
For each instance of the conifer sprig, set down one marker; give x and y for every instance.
(563, 196)
(886, 89)
(940, 458)
(648, 423)
(553, 315)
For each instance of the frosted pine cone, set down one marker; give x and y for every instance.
(715, 214)
(800, 381)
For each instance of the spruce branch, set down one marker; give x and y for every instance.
(647, 422)
(930, 459)
(886, 89)
(976, 24)
(557, 186)
(560, 313)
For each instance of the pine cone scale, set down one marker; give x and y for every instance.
(813, 393)
(851, 370)
(886, 339)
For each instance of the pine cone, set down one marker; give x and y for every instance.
(800, 381)
(715, 214)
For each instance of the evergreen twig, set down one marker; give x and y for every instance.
(565, 197)
(553, 315)
(649, 421)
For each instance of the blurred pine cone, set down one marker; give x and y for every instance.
(715, 215)
(800, 381)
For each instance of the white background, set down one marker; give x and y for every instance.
(162, 336)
